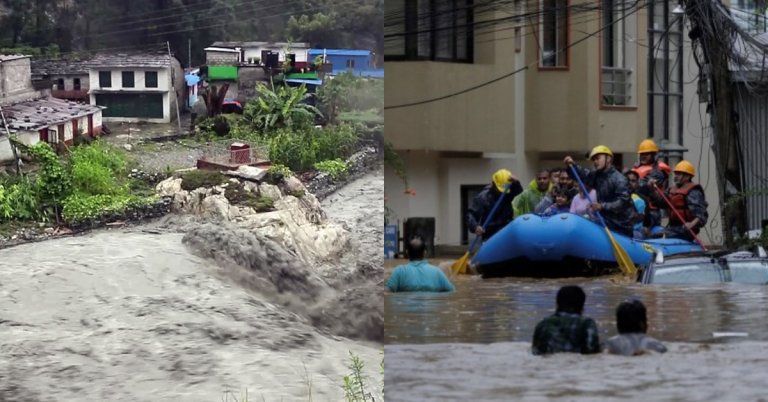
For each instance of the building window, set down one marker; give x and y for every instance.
(438, 30)
(350, 63)
(60, 84)
(128, 79)
(665, 73)
(748, 15)
(105, 79)
(150, 79)
(554, 33)
(618, 52)
(76, 84)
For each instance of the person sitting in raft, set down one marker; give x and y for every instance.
(688, 199)
(562, 203)
(632, 324)
(639, 231)
(418, 275)
(580, 203)
(567, 330)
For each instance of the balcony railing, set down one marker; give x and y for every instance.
(617, 86)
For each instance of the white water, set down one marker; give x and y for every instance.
(134, 315)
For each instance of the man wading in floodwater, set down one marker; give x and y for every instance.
(418, 275)
(567, 330)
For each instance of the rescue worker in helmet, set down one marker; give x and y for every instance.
(485, 200)
(650, 167)
(613, 199)
(688, 199)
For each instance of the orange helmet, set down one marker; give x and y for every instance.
(685, 167)
(647, 146)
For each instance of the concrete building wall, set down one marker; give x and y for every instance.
(301, 53)
(213, 57)
(15, 77)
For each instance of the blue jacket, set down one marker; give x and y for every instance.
(419, 276)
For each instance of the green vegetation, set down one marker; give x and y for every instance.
(91, 182)
(202, 178)
(236, 194)
(336, 168)
(300, 150)
(277, 173)
(277, 108)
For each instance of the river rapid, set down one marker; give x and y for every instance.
(178, 310)
(474, 344)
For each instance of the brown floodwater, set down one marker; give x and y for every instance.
(507, 309)
(474, 344)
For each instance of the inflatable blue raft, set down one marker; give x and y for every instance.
(564, 245)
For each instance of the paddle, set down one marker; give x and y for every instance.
(460, 266)
(622, 258)
(672, 207)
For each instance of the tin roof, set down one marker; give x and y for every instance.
(45, 112)
(106, 60)
(278, 45)
(340, 52)
(59, 67)
(9, 57)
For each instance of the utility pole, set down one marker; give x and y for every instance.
(716, 47)
(189, 53)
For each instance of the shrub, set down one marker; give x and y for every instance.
(237, 195)
(79, 207)
(277, 173)
(201, 178)
(336, 168)
(18, 201)
(300, 150)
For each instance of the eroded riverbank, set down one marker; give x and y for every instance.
(143, 314)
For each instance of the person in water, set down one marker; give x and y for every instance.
(418, 275)
(567, 330)
(632, 324)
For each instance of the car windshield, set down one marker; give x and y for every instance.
(755, 272)
(695, 273)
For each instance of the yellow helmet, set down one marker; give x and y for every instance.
(600, 149)
(647, 146)
(685, 167)
(501, 178)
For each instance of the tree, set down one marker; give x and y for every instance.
(320, 30)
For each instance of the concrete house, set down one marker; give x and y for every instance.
(33, 116)
(137, 87)
(358, 62)
(462, 102)
(250, 50)
(69, 79)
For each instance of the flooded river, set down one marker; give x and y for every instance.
(152, 314)
(475, 343)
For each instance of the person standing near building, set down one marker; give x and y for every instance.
(485, 200)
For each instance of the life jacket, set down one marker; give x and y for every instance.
(677, 197)
(643, 170)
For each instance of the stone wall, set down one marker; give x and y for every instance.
(322, 185)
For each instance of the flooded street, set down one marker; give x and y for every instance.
(148, 313)
(475, 343)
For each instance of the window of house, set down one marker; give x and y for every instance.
(60, 84)
(76, 84)
(748, 15)
(150, 79)
(128, 79)
(105, 79)
(618, 53)
(554, 33)
(350, 63)
(438, 30)
(665, 78)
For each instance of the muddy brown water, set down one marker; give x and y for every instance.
(475, 343)
(149, 313)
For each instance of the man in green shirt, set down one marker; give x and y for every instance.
(567, 330)
(526, 202)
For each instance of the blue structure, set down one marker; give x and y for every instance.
(564, 242)
(358, 62)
